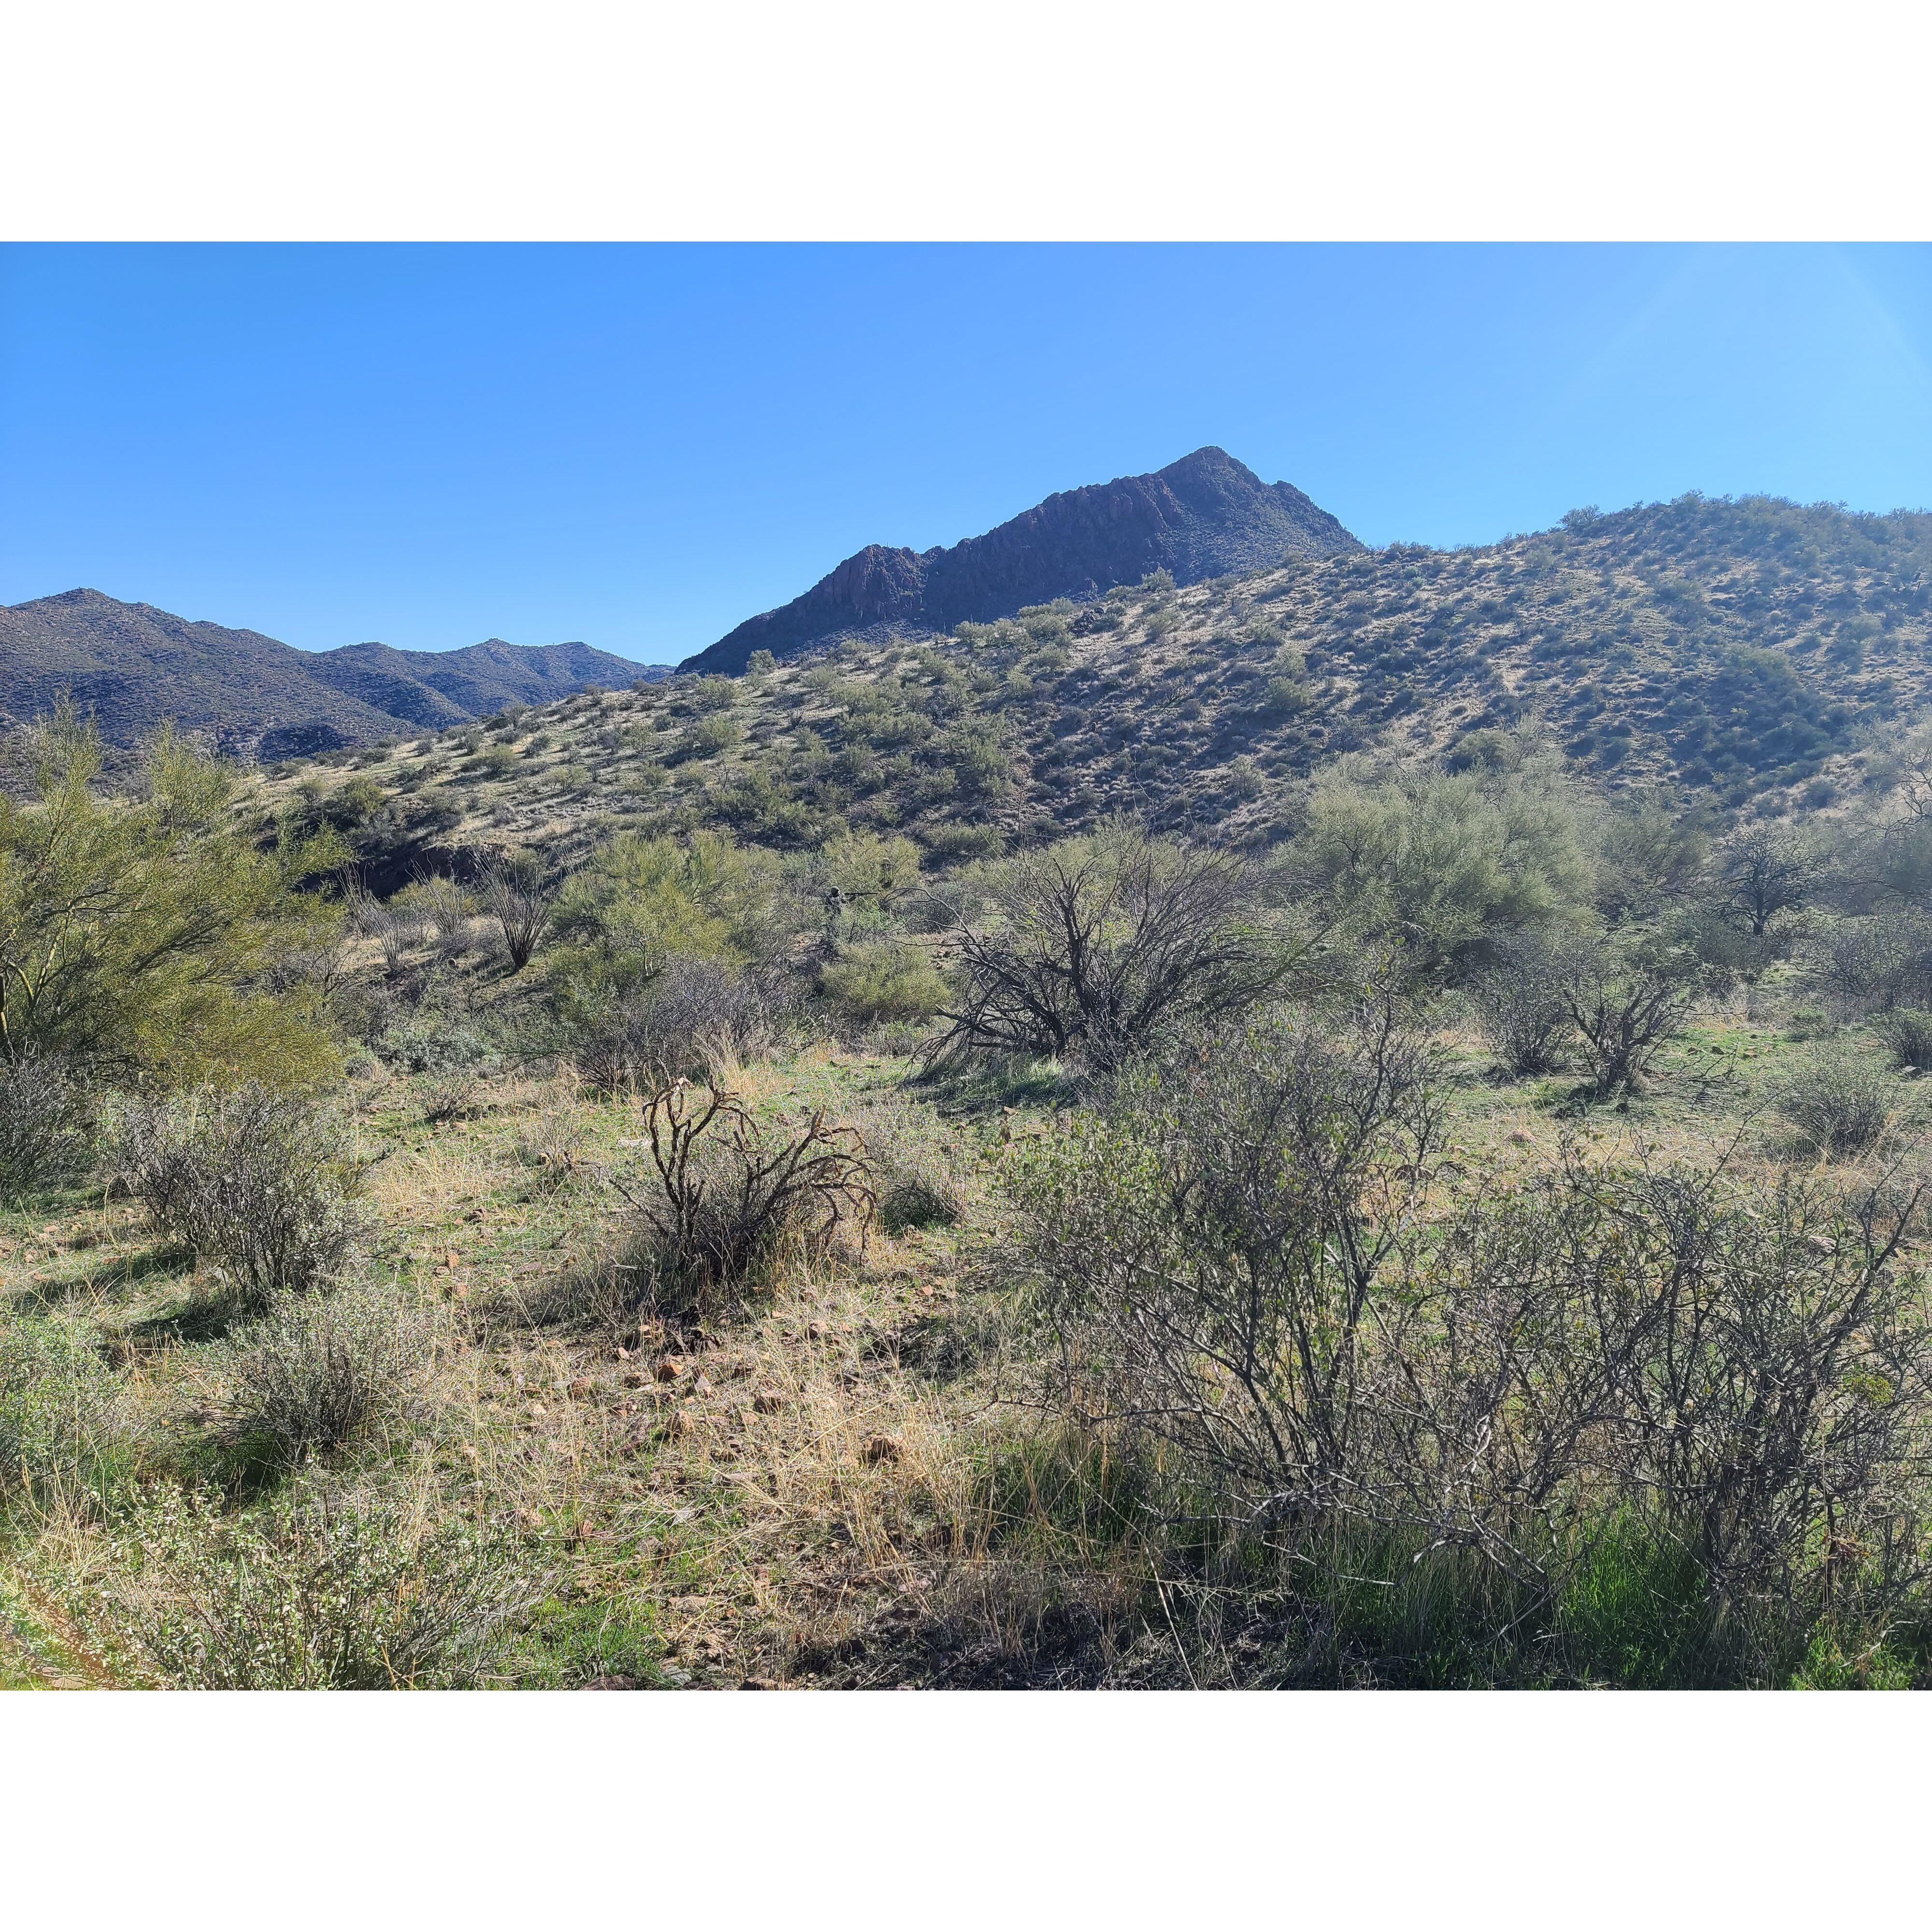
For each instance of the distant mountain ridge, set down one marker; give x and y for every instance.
(132, 666)
(1206, 515)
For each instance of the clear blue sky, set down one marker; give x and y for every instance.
(638, 446)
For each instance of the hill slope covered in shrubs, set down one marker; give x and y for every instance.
(1361, 1124)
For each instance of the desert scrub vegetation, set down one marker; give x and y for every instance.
(322, 1589)
(1096, 947)
(261, 1183)
(1264, 1133)
(1836, 1103)
(1260, 1276)
(312, 1377)
(723, 1198)
(137, 930)
(46, 1124)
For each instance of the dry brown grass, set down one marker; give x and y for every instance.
(809, 1501)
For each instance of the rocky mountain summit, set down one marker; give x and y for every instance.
(1206, 515)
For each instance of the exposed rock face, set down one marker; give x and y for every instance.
(1204, 516)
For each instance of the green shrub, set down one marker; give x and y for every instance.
(431, 1042)
(953, 840)
(137, 928)
(261, 1182)
(359, 801)
(918, 1168)
(1244, 780)
(892, 981)
(639, 901)
(312, 1377)
(1839, 1103)
(1908, 1032)
(316, 1589)
(718, 732)
(1285, 697)
(709, 694)
(65, 1430)
(1435, 862)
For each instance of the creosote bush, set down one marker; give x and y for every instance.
(1627, 1004)
(1872, 965)
(313, 1376)
(1207, 1254)
(259, 1181)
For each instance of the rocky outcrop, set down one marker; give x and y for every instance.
(1203, 517)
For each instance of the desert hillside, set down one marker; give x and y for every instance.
(130, 666)
(1360, 1123)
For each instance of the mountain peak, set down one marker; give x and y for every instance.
(1203, 516)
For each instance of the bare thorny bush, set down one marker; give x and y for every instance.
(1545, 996)
(723, 1198)
(1099, 946)
(1258, 1260)
(1523, 1004)
(1627, 1004)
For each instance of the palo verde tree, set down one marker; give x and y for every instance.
(140, 932)
(1437, 861)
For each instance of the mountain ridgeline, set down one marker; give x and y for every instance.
(1204, 516)
(1716, 654)
(132, 667)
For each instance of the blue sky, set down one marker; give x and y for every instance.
(638, 446)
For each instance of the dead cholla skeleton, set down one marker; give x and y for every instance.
(727, 1193)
